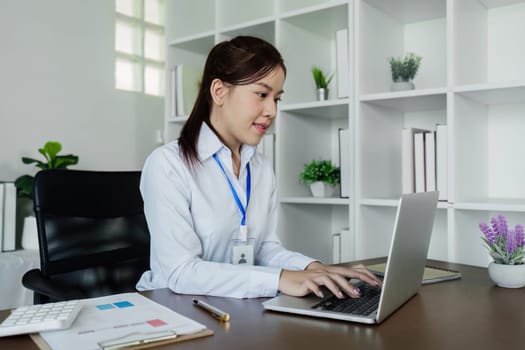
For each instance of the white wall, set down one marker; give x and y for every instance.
(57, 83)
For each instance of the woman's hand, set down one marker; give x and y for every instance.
(335, 278)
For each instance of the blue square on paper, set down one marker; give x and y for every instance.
(122, 304)
(105, 306)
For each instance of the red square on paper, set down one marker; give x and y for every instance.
(156, 322)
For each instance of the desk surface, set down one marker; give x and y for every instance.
(471, 313)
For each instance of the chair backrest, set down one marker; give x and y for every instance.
(92, 230)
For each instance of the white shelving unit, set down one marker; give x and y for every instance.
(472, 78)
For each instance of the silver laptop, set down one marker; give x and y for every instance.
(403, 274)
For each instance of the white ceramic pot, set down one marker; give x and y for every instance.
(402, 85)
(321, 189)
(507, 276)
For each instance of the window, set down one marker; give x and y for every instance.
(139, 46)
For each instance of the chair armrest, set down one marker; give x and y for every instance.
(56, 290)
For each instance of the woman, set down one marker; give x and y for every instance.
(210, 200)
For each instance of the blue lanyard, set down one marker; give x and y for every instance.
(234, 193)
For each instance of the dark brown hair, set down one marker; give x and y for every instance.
(241, 61)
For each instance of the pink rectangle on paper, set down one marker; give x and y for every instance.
(156, 323)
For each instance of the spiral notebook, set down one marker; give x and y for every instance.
(432, 274)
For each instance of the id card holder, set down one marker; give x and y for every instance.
(242, 254)
(243, 234)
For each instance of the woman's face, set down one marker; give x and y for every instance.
(248, 110)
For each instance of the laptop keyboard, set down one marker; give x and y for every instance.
(365, 305)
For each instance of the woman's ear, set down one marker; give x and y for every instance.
(218, 90)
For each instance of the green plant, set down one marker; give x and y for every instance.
(320, 78)
(24, 184)
(320, 170)
(405, 69)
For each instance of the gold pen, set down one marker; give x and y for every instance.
(217, 313)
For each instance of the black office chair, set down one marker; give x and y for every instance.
(92, 233)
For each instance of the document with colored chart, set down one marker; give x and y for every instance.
(123, 318)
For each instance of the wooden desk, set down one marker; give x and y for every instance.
(470, 313)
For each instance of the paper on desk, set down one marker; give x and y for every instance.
(116, 316)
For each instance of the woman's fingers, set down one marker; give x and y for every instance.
(334, 278)
(314, 288)
(337, 284)
(358, 271)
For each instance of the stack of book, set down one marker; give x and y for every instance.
(184, 86)
(424, 160)
(7, 216)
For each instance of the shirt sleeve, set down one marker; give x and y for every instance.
(176, 250)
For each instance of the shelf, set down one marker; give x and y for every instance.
(332, 109)
(263, 28)
(309, 9)
(494, 93)
(190, 50)
(393, 202)
(315, 200)
(410, 11)
(177, 119)
(409, 101)
(498, 3)
(307, 40)
(488, 41)
(503, 204)
(196, 43)
(380, 202)
(393, 28)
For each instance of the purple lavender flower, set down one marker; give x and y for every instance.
(510, 244)
(520, 238)
(505, 246)
(488, 232)
(494, 224)
(502, 226)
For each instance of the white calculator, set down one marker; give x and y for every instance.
(40, 317)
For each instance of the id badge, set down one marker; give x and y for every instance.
(242, 254)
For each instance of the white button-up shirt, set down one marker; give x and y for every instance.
(192, 217)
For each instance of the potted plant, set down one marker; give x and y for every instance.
(322, 176)
(404, 70)
(24, 185)
(321, 82)
(506, 247)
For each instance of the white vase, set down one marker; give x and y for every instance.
(321, 189)
(402, 85)
(507, 276)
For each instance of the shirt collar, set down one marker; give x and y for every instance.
(209, 144)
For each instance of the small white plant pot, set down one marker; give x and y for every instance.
(402, 86)
(322, 94)
(321, 189)
(507, 276)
